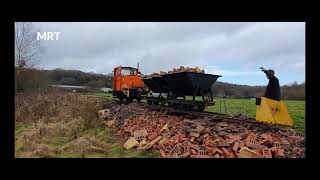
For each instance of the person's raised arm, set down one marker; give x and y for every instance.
(265, 71)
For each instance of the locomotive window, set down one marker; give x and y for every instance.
(128, 72)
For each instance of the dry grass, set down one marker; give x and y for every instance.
(55, 124)
(55, 105)
(46, 115)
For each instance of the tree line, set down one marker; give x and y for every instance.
(29, 78)
(293, 91)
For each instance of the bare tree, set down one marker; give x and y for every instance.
(27, 51)
(27, 47)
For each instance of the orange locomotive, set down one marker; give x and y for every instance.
(127, 83)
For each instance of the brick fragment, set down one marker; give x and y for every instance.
(202, 152)
(210, 150)
(186, 154)
(200, 156)
(279, 152)
(248, 153)
(193, 151)
(151, 143)
(194, 134)
(226, 152)
(242, 144)
(266, 153)
(131, 143)
(277, 144)
(235, 146)
(232, 155)
(224, 144)
(196, 147)
(139, 134)
(162, 154)
(219, 151)
(252, 143)
(216, 156)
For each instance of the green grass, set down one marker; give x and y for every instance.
(104, 95)
(114, 148)
(247, 107)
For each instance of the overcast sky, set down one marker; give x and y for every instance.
(233, 50)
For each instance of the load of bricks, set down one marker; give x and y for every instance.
(179, 137)
(176, 70)
(187, 69)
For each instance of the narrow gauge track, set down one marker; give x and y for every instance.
(218, 117)
(214, 117)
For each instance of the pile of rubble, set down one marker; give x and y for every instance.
(179, 137)
(117, 114)
(177, 70)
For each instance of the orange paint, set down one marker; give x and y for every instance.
(126, 78)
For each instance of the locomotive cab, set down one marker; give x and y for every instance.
(127, 83)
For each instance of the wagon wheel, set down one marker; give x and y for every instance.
(200, 108)
(190, 107)
(129, 99)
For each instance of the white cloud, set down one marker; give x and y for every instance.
(162, 46)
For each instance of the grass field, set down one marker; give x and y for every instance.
(247, 107)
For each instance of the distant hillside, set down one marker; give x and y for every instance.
(78, 78)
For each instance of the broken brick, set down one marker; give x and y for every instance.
(142, 143)
(150, 144)
(259, 151)
(162, 153)
(224, 144)
(210, 150)
(216, 156)
(266, 153)
(131, 143)
(194, 134)
(202, 152)
(200, 156)
(219, 151)
(236, 146)
(279, 152)
(277, 144)
(226, 152)
(196, 147)
(140, 134)
(232, 155)
(250, 142)
(193, 151)
(242, 144)
(186, 154)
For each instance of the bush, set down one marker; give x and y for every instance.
(54, 105)
(28, 79)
